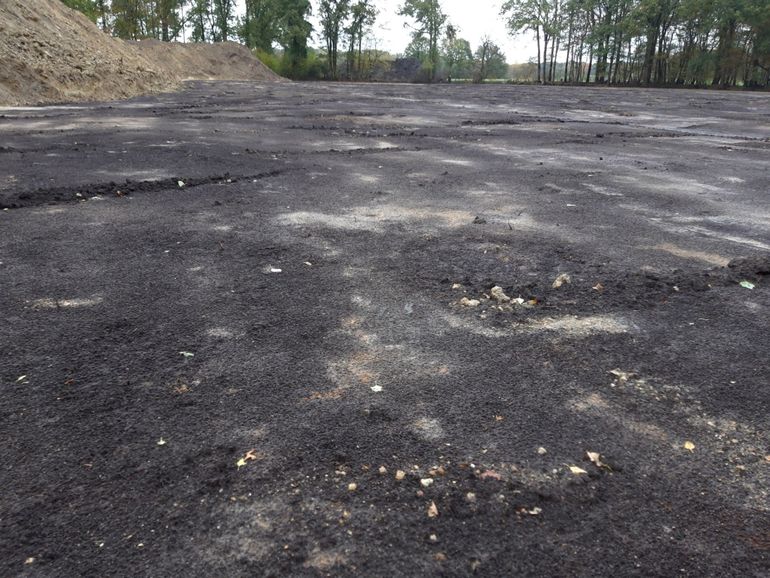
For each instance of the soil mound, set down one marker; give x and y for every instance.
(197, 61)
(51, 53)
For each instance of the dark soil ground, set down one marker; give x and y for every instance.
(172, 404)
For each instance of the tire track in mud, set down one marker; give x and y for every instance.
(74, 194)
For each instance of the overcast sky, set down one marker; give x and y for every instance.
(473, 18)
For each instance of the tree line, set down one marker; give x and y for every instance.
(647, 42)
(631, 42)
(279, 32)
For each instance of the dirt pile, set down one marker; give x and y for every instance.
(51, 53)
(221, 61)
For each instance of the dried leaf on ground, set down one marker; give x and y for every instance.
(248, 456)
(622, 376)
(595, 458)
(432, 510)
(577, 471)
(562, 279)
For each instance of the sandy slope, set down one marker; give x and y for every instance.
(50, 53)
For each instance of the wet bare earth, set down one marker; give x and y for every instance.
(239, 333)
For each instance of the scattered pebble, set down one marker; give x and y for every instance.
(376, 388)
(383, 470)
(439, 557)
(499, 295)
(563, 279)
(533, 512)
(400, 475)
(352, 487)
(457, 286)
(470, 497)
(426, 482)
(542, 451)
(161, 442)
(490, 475)
(465, 302)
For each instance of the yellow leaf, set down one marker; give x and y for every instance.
(689, 446)
(240, 463)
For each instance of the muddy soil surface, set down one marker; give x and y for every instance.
(240, 334)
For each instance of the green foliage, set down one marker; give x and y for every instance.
(87, 7)
(428, 23)
(269, 59)
(258, 29)
(333, 14)
(489, 62)
(458, 58)
(362, 17)
(293, 32)
(686, 42)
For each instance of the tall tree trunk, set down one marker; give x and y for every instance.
(590, 63)
(537, 34)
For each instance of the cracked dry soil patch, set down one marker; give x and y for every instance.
(270, 370)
